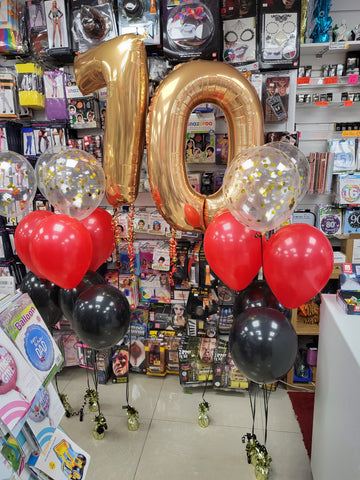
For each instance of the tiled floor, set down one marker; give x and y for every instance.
(169, 443)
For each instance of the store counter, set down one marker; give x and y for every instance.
(336, 429)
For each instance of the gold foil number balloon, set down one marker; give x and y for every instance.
(261, 188)
(120, 65)
(17, 185)
(187, 86)
(73, 182)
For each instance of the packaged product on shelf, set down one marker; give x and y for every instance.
(140, 17)
(60, 454)
(9, 104)
(45, 415)
(10, 135)
(24, 325)
(344, 154)
(146, 253)
(159, 317)
(181, 275)
(58, 135)
(178, 315)
(172, 354)
(141, 220)
(30, 84)
(157, 224)
(161, 257)
(329, 220)
(13, 28)
(191, 30)
(67, 341)
(124, 260)
(42, 137)
(221, 149)
(154, 288)
(348, 296)
(225, 320)
(29, 148)
(348, 189)
(55, 98)
(93, 22)
(195, 181)
(83, 111)
(125, 283)
(196, 360)
(226, 374)
(19, 383)
(276, 98)
(225, 295)
(200, 138)
(103, 365)
(289, 137)
(240, 48)
(279, 26)
(120, 364)
(351, 221)
(13, 458)
(155, 354)
(87, 356)
(57, 24)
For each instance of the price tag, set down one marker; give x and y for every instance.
(353, 78)
(330, 80)
(348, 103)
(338, 46)
(350, 133)
(303, 80)
(322, 103)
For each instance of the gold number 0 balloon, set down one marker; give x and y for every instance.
(120, 65)
(187, 86)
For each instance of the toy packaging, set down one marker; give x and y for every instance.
(191, 29)
(24, 325)
(93, 22)
(60, 455)
(140, 17)
(279, 34)
(200, 138)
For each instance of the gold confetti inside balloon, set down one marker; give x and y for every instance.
(17, 185)
(301, 162)
(74, 182)
(261, 188)
(41, 164)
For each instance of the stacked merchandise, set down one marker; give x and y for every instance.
(32, 444)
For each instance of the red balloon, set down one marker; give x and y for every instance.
(101, 230)
(298, 262)
(24, 232)
(233, 251)
(61, 250)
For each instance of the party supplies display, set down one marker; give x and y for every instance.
(19, 383)
(24, 325)
(344, 155)
(60, 455)
(93, 23)
(140, 17)
(55, 99)
(191, 29)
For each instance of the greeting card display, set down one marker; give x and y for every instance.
(18, 383)
(61, 456)
(191, 29)
(24, 325)
(279, 34)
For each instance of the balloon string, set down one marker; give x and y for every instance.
(259, 235)
(266, 410)
(130, 241)
(252, 405)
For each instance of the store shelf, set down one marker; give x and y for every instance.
(328, 105)
(303, 328)
(325, 82)
(291, 385)
(320, 49)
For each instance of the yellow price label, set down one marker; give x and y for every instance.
(350, 133)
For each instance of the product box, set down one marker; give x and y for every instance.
(240, 42)
(352, 221)
(349, 189)
(60, 455)
(24, 325)
(196, 360)
(200, 138)
(155, 356)
(348, 296)
(154, 288)
(329, 220)
(226, 374)
(140, 17)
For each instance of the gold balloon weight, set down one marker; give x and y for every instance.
(99, 427)
(203, 419)
(92, 397)
(133, 419)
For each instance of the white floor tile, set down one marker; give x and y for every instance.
(169, 443)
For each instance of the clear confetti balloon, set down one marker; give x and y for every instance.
(42, 162)
(73, 182)
(261, 188)
(301, 162)
(17, 185)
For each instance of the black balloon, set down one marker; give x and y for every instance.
(44, 294)
(263, 344)
(67, 298)
(101, 316)
(258, 294)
